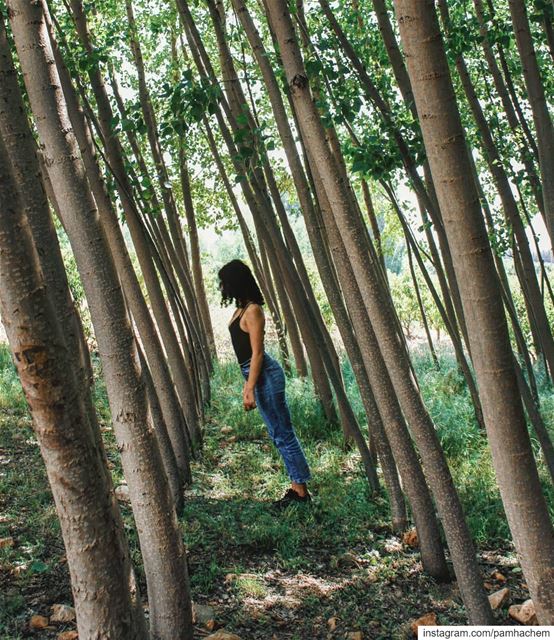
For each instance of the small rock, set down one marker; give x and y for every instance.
(498, 598)
(524, 613)
(122, 493)
(6, 542)
(201, 613)
(38, 622)
(222, 635)
(62, 613)
(68, 635)
(410, 538)
(427, 619)
(332, 623)
(355, 635)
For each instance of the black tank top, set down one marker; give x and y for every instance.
(240, 338)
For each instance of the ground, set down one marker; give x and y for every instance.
(321, 572)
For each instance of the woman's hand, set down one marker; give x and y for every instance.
(248, 400)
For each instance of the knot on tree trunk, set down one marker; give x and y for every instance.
(299, 81)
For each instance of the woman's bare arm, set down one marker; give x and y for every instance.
(254, 323)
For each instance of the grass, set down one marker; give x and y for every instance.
(266, 574)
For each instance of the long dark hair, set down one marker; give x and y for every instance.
(238, 285)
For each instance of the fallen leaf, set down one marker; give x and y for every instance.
(38, 622)
(222, 635)
(426, 620)
(6, 542)
(226, 430)
(498, 598)
(332, 623)
(496, 575)
(355, 635)
(68, 635)
(524, 613)
(410, 538)
(392, 545)
(62, 613)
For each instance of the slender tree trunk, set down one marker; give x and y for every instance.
(373, 222)
(423, 510)
(424, 197)
(195, 259)
(171, 410)
(421, 307)
(261, 277)
(492, 355)
(100, 569)
(161, 544)
(525, 153)
(529, 282)
(438, 474)
(181, 377)
(539, 107)
(197, 337)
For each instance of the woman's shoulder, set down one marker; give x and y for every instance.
(254, 312)
(253, 308)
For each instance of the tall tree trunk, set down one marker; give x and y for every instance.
(421, 307)
(261, 276)
(437, 471)
(492, 354)
(373, 222)
(197, 336)
(425, 199)
(529, 282)
(171, 411)
(539, 107)
(195, 258)
(414, 484)
(159, 536)
(98, 559)
(524, 151)
(181, 376)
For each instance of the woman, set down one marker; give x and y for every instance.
(265, 380)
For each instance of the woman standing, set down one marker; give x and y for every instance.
(265, 380)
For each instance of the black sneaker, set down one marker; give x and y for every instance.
(291, 497)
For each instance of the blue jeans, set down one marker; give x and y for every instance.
(269, 393)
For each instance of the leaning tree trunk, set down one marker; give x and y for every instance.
(323, 263)
(173, 419)
(490, 345)
(440, 480)
(181, 376)
(99, 565)
(159, 536)
(539, 107)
